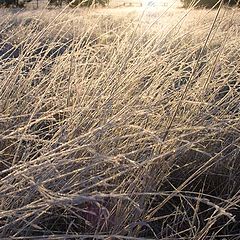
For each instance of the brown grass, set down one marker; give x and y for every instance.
(119, 126)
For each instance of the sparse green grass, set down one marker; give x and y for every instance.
(119, 126)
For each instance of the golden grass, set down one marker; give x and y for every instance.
(119, 126)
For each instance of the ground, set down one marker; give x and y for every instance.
(119, 123)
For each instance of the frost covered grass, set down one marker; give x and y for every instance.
(119, 126)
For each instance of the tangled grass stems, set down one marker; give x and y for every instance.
(119, 127)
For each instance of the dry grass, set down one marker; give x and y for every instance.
(119, 126)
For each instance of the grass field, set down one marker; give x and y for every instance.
(120, 124)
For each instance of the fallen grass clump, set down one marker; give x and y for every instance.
(119, 127)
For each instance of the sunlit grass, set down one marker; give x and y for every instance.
(119, 126)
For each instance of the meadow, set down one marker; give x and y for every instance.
(120, 124)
